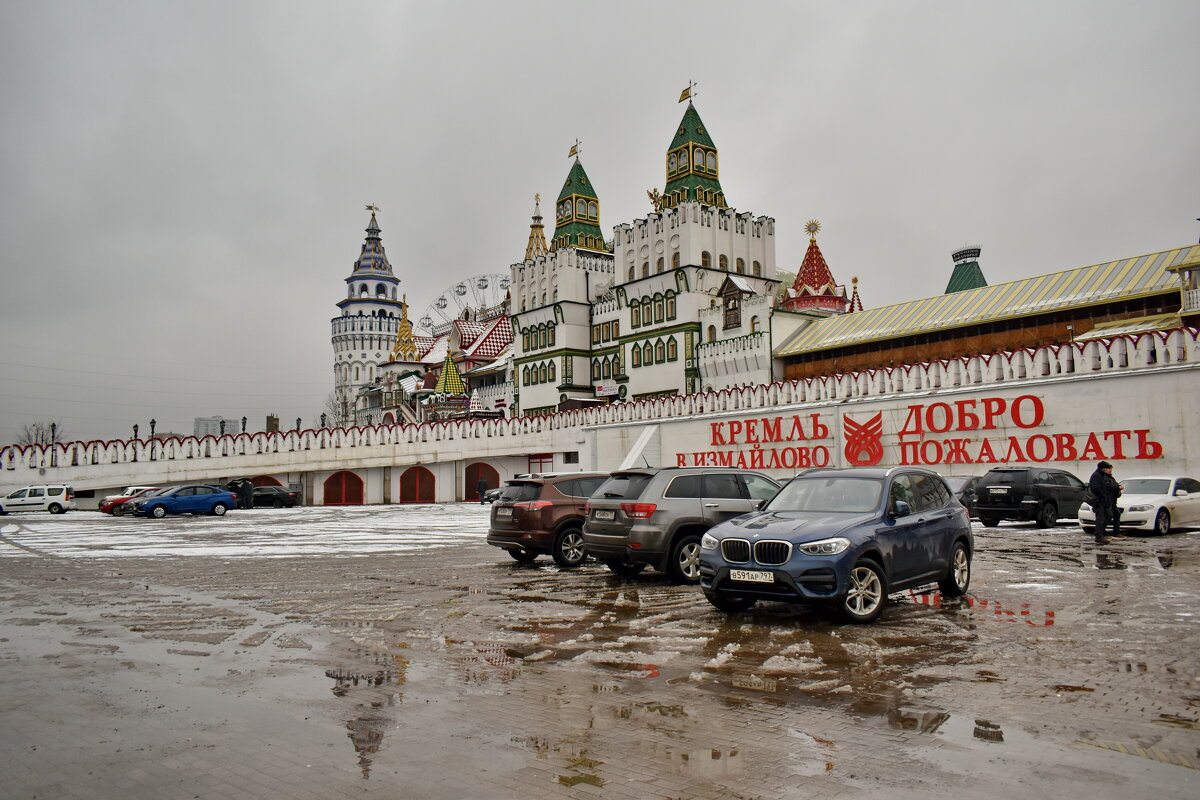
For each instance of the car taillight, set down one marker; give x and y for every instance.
(638, 510)
(533, 505)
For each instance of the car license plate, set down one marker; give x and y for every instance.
(503, 512)
(998, 490)
(606, 515)
(753, 576)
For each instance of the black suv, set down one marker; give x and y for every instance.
(657, 516)
(1040, 494)
(543, 513)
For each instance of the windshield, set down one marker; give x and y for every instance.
(839, 495)
(1147, 486)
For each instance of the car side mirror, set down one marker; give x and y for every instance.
(757, 504)
(1181, 492)
(901, 508)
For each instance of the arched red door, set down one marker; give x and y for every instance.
(475, 472)
(265, 480)
(343, 489)
(416, 485)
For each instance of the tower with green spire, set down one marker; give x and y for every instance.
(577, 214)
(693, 172)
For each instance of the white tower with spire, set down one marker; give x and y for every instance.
(365, 331)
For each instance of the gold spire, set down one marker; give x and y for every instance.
(537, 234)
(405, 349)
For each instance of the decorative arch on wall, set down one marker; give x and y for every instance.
(477, 471)
(417, 485)
(343, 488)
(265, 480)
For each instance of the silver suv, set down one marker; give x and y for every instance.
(656, 517)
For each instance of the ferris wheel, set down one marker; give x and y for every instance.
(476, 293)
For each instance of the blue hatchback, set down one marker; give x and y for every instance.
(842, 537)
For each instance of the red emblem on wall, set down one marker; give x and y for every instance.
(864, 442)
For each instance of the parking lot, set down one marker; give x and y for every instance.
(386, 651)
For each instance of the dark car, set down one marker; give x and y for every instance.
(274, 496)
(844, 538)
(656, 517)
(1041, 494)
(543, 513)
(190, 499)
(963, 487)
(492, 495)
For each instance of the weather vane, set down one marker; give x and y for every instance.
(537, 198)
(373, 208)
(689, 92)
(574, 148)
(812, 228)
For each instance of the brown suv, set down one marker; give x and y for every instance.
(543, 513)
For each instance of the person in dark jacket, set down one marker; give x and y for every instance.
(245, 494)
(481, 486)
(1106, 490)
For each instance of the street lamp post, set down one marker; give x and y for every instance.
(243, 424)
(135, 430)
(297, 423)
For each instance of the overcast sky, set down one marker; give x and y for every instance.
(182, 184)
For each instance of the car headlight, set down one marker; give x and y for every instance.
(1140, 508)
(825, 547)
(708, 542)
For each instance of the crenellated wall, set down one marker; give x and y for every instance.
(1138, 388)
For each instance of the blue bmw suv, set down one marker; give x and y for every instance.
(844, 538)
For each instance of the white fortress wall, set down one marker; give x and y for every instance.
(1130, 400)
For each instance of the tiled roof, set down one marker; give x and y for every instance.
(493, 342)
(450, 382)
(1075, 288)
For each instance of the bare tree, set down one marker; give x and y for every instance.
(339, 408)
(41, 432)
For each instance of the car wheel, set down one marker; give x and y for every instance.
(54, 508)
(989, 522)
(158, 512)
(277, 503)
(865, 594)
(626, 569)
(523, 556)
(569, 550)
(729, 602)
(1047, 515)
(219, 509)
(683, 566)
(117, 511)
(1162, 522)
(958, 577)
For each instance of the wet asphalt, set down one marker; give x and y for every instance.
(389, 652)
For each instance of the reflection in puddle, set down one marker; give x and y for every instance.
(988, 731)
(905, 719)
(1024, 613)
(367, 734)
(1110, 561)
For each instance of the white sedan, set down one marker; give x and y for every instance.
(1157, 503)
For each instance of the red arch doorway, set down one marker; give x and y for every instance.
(343, 489)
(264, 480)
(475, 472)
(416, 485)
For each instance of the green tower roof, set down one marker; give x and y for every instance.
(966, 275)
(692, 165)
(577, 213)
